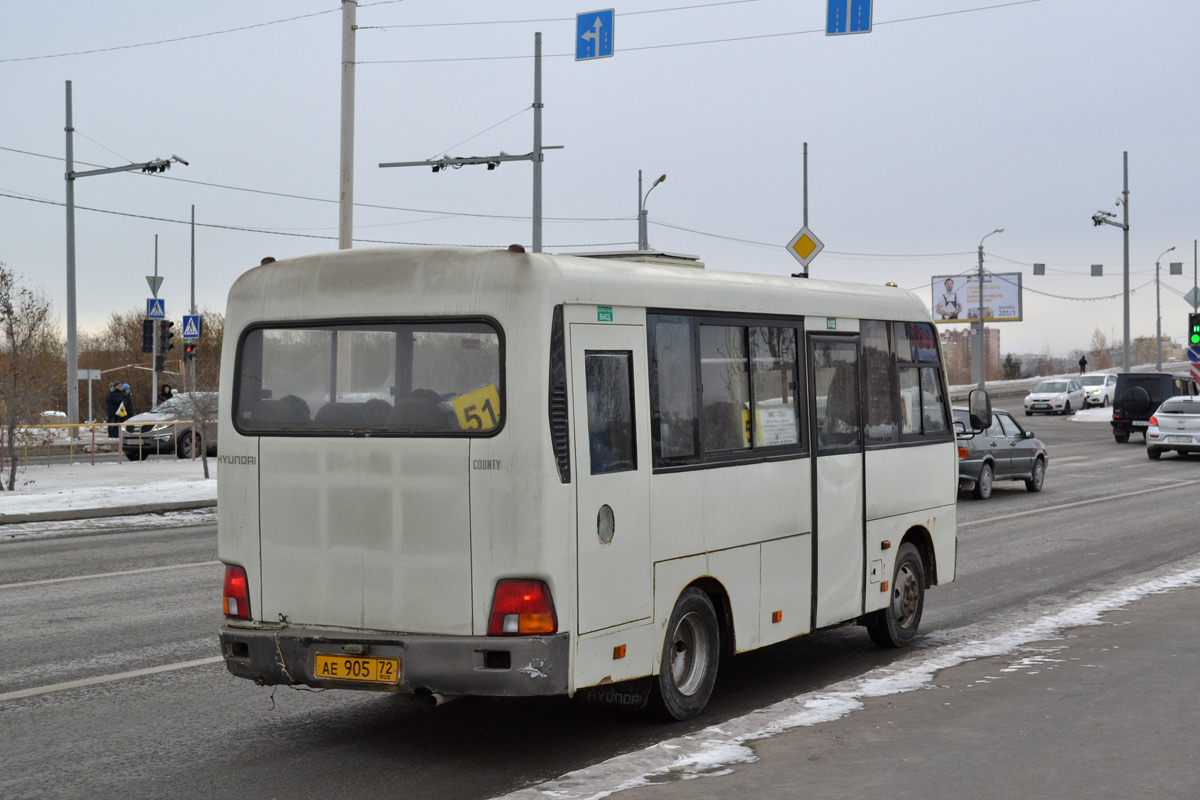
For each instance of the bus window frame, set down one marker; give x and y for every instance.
(704, 459)
(366, 323)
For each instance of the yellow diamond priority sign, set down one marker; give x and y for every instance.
(804, 246)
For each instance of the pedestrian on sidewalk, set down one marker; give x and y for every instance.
(1082, 364)
(112, 402)
(125, 410)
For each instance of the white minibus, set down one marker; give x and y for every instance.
(455, 471)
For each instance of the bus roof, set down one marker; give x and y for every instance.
(403, 280)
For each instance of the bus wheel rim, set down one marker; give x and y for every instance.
(906, 596)
(689, 653)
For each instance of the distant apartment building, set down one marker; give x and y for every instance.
(958, 347)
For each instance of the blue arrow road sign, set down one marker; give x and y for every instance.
(1194, 354)
(155, 308)
(594, 35)
(848, 16)
(191, 326)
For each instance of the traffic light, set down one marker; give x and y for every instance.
(165, 336)
(147, 336)
(189, 351)
(1193, 337)
(160, 363)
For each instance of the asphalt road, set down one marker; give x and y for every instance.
(190, 730)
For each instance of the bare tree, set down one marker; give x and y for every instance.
(31, 353)
(203, 376)
(1100, 355)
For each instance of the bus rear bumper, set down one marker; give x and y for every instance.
(446, 665)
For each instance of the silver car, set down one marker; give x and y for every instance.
(1003, 452)
(1175, 425)
(1054, 397)
(167, 428)
(1098, 388)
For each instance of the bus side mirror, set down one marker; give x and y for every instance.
(979, 406)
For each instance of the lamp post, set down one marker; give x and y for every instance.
(979, 349)
(643, 238)
(157, 165)
(1158, 314)
(1106, 218)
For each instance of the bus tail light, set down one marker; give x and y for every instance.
(522, 607)
(237, 592)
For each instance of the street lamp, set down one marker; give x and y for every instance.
(979, 350)
(1106, 218)
(157, 165)
(643, 243)
(1158, 314)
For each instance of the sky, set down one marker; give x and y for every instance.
(950, 119)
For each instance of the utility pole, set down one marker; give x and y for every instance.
(1158, 313)
(979, 348)
(446, 162)
(157, 165)
(1106, 218)
(346, 193)
(154, 325)
(191, 376)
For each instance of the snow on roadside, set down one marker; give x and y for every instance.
(71, 487)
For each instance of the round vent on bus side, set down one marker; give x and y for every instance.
(1135, 401)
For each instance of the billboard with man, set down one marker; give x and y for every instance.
(956, 298)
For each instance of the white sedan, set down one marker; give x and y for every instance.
(1054, 397)
(1174, 426)
(1098, 388)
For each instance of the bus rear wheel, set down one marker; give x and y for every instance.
(690, 656)
(896, 625)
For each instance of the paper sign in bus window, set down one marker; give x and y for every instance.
(478, 410)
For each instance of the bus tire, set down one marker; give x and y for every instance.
(896, 625)
(690, 654)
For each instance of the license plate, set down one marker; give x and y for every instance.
(357, 668)
(1138, 423)
(1040, 405)
(1179, 439)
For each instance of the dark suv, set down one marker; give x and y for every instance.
(1137, 396)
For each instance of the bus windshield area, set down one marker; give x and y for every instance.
(401, 378)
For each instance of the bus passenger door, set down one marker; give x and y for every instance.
(612, 458)
(838, 484)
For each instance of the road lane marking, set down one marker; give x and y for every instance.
(1076, 504)
(108, 574)
(120, 676)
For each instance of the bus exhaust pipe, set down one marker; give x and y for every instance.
(439, 699)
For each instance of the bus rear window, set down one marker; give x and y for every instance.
(401, 378)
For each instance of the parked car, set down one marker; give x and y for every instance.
(1175, 425)
(1138, 395)
(1098, 388)
(161, 430)
(1054, 397)
(1003, 452)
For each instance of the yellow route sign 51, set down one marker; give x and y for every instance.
(804, 246)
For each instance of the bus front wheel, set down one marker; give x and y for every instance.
(896, 625)
(690, 655)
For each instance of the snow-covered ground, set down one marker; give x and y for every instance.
(72, 488)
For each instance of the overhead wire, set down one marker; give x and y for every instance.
(753, 37)
(268, 231)
(169, 41)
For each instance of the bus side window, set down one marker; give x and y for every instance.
(611, 432)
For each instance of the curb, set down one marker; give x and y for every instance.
(112, 511)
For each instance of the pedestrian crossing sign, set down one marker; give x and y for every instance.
(191, 326)
(155, 308)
